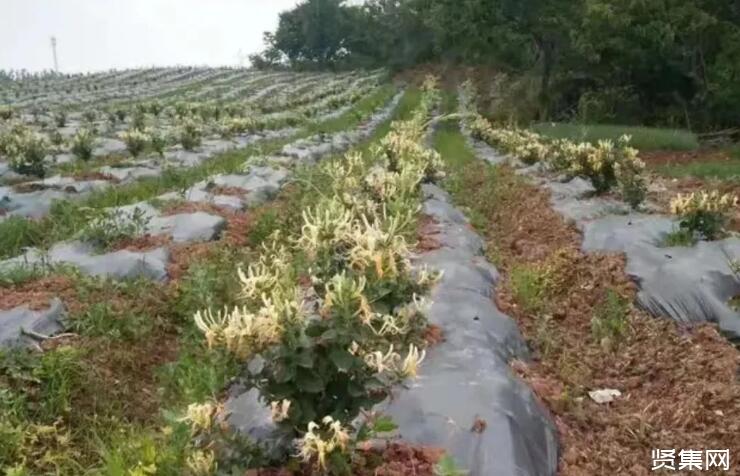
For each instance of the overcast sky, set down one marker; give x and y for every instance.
(97, 35)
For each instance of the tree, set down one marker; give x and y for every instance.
(313, 33)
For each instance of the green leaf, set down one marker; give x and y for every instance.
(284, 373)
(447, 467)
(304, 359)
(329, 335)
(339, 464)
(309, 382)
(355, 389)
(384, 424)
(363, 433)
(341, 358)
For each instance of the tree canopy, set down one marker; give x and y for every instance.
(651, 61)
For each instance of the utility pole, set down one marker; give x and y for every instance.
(54, 52)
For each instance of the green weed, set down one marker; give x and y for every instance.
(59, 374)
(679, 237)
(643, 138)
(101, 320)
(720, 169)
(529, 286)
(609, 323)
(263, 227)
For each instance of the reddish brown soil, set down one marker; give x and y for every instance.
(396, 459)
(141, 243)
(127, 374)
(425, 234)
(95, 175)
(679, 385)
(183, 255)
(192, 207)
(433, 335)
(672, 157)
(232, 191)
(36, 294)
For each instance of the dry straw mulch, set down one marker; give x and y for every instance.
(679, 385)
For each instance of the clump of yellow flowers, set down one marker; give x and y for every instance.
(704, 212)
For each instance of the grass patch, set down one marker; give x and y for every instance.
(719, 169)
(679, 237)
(529, 286)
(17, 233)
(14, 276)
(609, 324)
(464, 168)
(361, 110)
(643, 138)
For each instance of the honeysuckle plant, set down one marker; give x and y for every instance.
(606, 164)
(705, 213)
(60, 118)
(136, 141)
(334, 311)
(82, 143)
(190, 133)
(6, 113)
(25, 150)
(231, 126)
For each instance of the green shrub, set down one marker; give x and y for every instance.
(136, 141)
(26, 151)
(83, 144)
(89, 116)
(190, 133)
(529, 286)
(155, 108)
(319, 372)
(6, 113)
(157, 141)
(60, 118)
(704, 213)
(138, 120)
(105, 228)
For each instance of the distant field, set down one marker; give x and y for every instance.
(643, 138)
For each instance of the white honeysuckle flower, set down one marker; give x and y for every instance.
(211, 325)
(200, 416)
(280, 410)
(696, 202)
(410, 366)
(201, 462)
(354, 348)
(381, 362)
